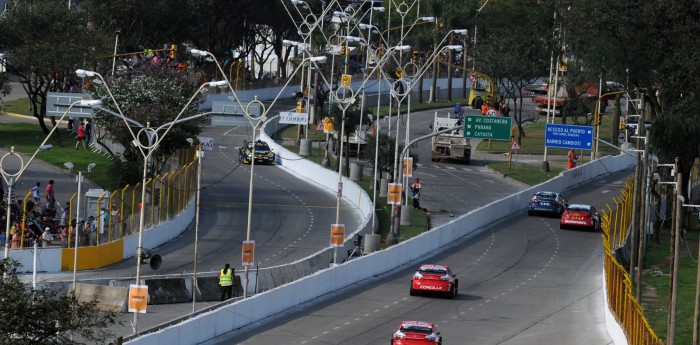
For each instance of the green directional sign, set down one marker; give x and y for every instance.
(487, 127)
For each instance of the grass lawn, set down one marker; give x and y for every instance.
(655, 282)
(26, 137)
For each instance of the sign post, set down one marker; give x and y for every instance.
(487, 127)
(248, 254)
(138, 298)
(568, 136)
(394, 194)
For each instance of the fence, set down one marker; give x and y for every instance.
(627, 310)
(117, 213)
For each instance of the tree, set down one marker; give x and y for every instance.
(45, 60)
(511, 51)
(153, 95)
(352, 124)
(45, 316)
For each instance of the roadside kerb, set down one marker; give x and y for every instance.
(335, 278)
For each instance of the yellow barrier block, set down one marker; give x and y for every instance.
(94, 256)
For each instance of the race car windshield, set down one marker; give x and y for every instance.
(433, 271)
(417, 329)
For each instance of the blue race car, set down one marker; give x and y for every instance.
(551, 203)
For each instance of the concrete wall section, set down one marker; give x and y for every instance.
(48, 259)
(161, 233)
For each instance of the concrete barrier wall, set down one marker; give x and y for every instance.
(48, 259)
(110, 298)
(214, 323)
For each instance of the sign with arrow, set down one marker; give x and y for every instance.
(568, 136)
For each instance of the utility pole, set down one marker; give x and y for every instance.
(675, 235)
(641, 238)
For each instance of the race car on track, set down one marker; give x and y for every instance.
(416, 333)
(580, 216)
(434, 278)
(551, 203)
(263, 154)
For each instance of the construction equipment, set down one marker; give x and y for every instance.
(483, 87)
(451, 145)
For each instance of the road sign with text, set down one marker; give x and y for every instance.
(487, 127)
(568, 136)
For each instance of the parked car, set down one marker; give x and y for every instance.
(416, 333)
(551, 203)
(263, 154)
(580, 216)
(434, 278)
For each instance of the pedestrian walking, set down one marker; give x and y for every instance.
(572, 158)
(88, 132)
(503, 108)
(36, 194)
(50, 198)
(226, 282)
(81, 135)
(458, 110)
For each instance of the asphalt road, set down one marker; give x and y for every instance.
(450, 189)
(523, 281)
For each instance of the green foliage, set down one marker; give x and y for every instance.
(45, 316)
(155, 96)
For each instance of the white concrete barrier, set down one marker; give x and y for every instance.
(320, 283)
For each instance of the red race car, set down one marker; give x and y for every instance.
(416, 333)
(434, 278)
(580, 216)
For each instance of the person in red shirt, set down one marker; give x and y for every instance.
(50, 199)
(81, 135)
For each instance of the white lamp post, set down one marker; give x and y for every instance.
(254, 121)
(154, 139)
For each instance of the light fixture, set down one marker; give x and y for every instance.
(403, 48)
(427, 19)
(378, 9)
(319, 59)
(454, 47)
(199, 53)
(84, 73)
(460, 31)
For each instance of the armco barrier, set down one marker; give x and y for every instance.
(217, 322)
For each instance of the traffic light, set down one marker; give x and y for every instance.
(598, 119)
(300, 106)
(343, 50)
(416, 56)
(623, 124)
(173, 51)
(399, 72)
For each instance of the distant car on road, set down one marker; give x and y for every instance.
(416, 333)
(580, 216)
(263, 154)
(551, 203)
(434, 278)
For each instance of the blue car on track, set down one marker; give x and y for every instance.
(551, 203)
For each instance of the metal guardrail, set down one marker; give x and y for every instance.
(620, 294)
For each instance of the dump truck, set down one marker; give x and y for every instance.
(451, 145)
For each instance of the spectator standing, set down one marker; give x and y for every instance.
(46, 238)
(50, 199)
(415, 189)
(226, 282)
(36, 193)
(16, 237)
(503, 108)
(70, 125)
(81, 135)
(458, 110)
(88, 132)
